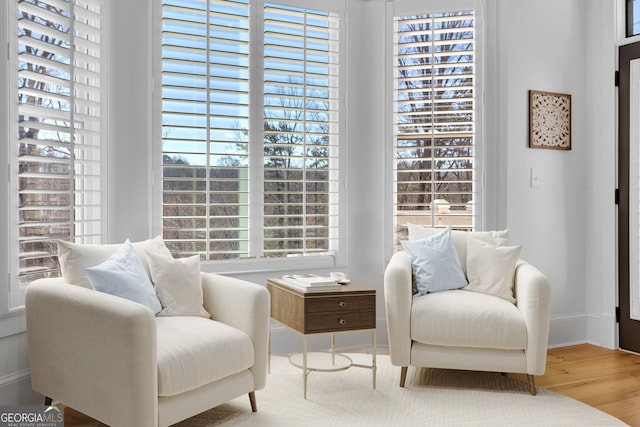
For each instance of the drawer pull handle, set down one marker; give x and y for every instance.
(342, 304)
(342, 322)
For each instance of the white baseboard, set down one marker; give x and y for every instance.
(602, 330)
(15, 389)
(583, 328)
(568, 330)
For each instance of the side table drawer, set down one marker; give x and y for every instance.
(336, 321)
(346, 303)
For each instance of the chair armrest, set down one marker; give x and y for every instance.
(245, 306)
(533, 299)
(397, 298)
(93, 351)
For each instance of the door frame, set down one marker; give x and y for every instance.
(628, 329)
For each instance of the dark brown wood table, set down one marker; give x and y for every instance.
(350, 308)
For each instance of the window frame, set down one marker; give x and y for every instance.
(12, 301)
(629, 13)
(411, 7)
(7, 293)
(256, 95)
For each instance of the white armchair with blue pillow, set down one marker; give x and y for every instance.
(464, 300)
(131, 336)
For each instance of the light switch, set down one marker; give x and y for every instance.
(534, 179)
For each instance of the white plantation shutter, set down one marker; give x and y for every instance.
(231, 189)
(434, 119)
(205, 97)
(300, 130)
(59, 119)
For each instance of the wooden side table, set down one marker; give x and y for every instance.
(350, 308)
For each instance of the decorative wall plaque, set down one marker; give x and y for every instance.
(549, 120)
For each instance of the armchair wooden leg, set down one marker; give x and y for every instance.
(403, 376)
(532, 385)
(47, 401)
(252, 399)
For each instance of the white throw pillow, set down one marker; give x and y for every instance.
(435, 263)
(495, 238)
(490, 268)
(74, 258)
(178, 284)
(123, 275)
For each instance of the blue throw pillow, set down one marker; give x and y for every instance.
(435, 263)
(124, 275)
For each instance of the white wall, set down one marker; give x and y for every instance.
(366, 151)
(566, 227)
(541, 46)
(130, 110)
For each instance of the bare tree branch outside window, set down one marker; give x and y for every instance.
(208, 208)
(434, 129)
(58, 137)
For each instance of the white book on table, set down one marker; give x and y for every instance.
(310, 282)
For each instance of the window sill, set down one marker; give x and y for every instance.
(266, 265)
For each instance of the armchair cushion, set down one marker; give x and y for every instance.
(460, 318)
(123, 275)
(194, 351)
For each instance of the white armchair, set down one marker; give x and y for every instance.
(460, 329)
(116, 362)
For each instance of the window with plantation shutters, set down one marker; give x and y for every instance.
(300, 131)
(249, 170)
(205, 120)
(434, 121)
(57, 173)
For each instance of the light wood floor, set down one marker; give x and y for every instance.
(608, 380)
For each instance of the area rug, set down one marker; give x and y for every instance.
(432, 397)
